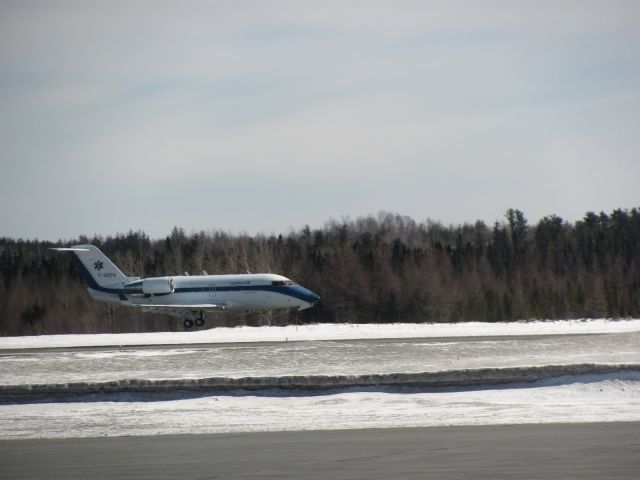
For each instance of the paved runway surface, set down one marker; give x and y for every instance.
(348, 357)
(556, 451)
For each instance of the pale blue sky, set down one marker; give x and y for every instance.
(265, 116)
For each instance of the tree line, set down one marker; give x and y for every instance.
(384, 268)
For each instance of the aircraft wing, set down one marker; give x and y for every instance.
(181, 310)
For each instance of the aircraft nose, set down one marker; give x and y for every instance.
(310, 297)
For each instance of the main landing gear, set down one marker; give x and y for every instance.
(194, 319)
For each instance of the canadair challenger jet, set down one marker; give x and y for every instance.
(188, 297)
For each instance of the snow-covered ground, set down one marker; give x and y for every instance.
(578, 399)
(361, 350)
(327, 332)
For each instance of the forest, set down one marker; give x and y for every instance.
(373, 269)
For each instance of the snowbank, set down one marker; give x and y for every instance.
(455, 378)
(327, 332)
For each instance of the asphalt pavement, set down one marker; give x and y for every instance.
(353, 357)
(552, 451)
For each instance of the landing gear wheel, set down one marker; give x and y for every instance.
(188, 323)
(199, 322)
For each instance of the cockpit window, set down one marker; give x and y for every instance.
(280, 283)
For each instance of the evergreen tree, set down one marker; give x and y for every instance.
(382, 268)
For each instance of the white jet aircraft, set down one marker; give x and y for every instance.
(188, 297)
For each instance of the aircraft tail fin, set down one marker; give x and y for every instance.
(95, 266)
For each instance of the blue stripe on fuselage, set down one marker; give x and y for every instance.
(295, 291)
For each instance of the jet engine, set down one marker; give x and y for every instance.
(158, 286)
(151, 286)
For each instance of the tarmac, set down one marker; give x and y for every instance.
(552, 451)
(312, 358)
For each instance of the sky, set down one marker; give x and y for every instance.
(265, 116)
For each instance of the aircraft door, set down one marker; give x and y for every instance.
(212, 290)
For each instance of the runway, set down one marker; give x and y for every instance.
(312, 358)
(559, 451)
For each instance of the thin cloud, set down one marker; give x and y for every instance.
(455, 110)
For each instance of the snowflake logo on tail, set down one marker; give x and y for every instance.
(98, 265)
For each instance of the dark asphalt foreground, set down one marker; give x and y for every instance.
(555, 451)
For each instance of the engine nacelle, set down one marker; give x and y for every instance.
(158, 286)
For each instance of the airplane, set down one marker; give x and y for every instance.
(186, 296)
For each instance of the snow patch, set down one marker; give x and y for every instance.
(327, 332)
(610, 398)
(133, 354)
